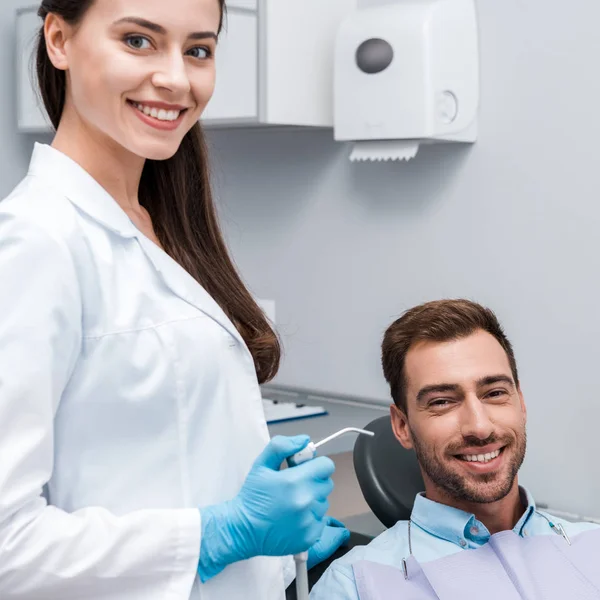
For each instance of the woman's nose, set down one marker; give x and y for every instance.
(172, 75)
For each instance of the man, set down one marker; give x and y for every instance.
(457, 402)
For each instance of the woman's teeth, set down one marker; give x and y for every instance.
(158, 113)
(480, 457)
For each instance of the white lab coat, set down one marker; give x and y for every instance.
(125, 389)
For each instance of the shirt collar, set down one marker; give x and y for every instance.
(70, 179)
(529, 502)
(459, 527)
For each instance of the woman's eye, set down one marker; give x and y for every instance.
(199, 52)
(138, 42)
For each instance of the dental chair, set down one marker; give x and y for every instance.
(389, 478)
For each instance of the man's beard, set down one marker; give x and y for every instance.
(473, 489)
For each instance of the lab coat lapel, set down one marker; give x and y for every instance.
(185, 286)
(69, 178)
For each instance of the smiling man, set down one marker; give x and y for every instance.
(458, 403)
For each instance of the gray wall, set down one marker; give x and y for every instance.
(15, 149)
(511, 222)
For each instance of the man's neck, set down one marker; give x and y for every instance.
(498, 516)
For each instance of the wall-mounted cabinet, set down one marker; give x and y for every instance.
(274, 65)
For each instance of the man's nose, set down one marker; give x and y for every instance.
(475, 420)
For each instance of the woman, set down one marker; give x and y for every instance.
(130, 350)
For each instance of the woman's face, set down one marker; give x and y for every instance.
(139, 71)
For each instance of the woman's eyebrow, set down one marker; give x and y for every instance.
(156, 28)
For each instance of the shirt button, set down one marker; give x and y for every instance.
(474, 530)
(525, 532)
(463, 543)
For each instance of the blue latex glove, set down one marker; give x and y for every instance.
(276, 512)
(334, 535)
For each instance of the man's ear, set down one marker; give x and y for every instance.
(400, 427)
(523, 405)
(57, 33)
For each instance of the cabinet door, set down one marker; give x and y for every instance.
(247, 4)
(236, 92)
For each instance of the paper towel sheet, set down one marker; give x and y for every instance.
(384, 150)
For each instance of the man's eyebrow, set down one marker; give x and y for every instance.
(492, 379)
(156, 28)
(436, 389)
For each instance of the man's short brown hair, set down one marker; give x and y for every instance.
(438, 321)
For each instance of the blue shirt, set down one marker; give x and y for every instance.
(436, 531)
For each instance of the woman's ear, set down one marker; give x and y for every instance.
(57, 33)
(400, 427)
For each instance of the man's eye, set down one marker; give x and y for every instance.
(440, 403)
(497, 394)
(138, 42)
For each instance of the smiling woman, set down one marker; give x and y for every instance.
(130, 364)
(141, 87)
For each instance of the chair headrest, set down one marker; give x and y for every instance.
(389, 475)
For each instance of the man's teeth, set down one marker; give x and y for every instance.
(480, 457)
(160, 114)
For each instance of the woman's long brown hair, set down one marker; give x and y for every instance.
(177, 194)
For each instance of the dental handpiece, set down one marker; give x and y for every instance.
(310, 451)
(306, 454)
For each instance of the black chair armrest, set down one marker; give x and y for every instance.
(356, 539)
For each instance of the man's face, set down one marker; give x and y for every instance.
(465, 418)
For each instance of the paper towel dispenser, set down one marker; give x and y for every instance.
(406, 73)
